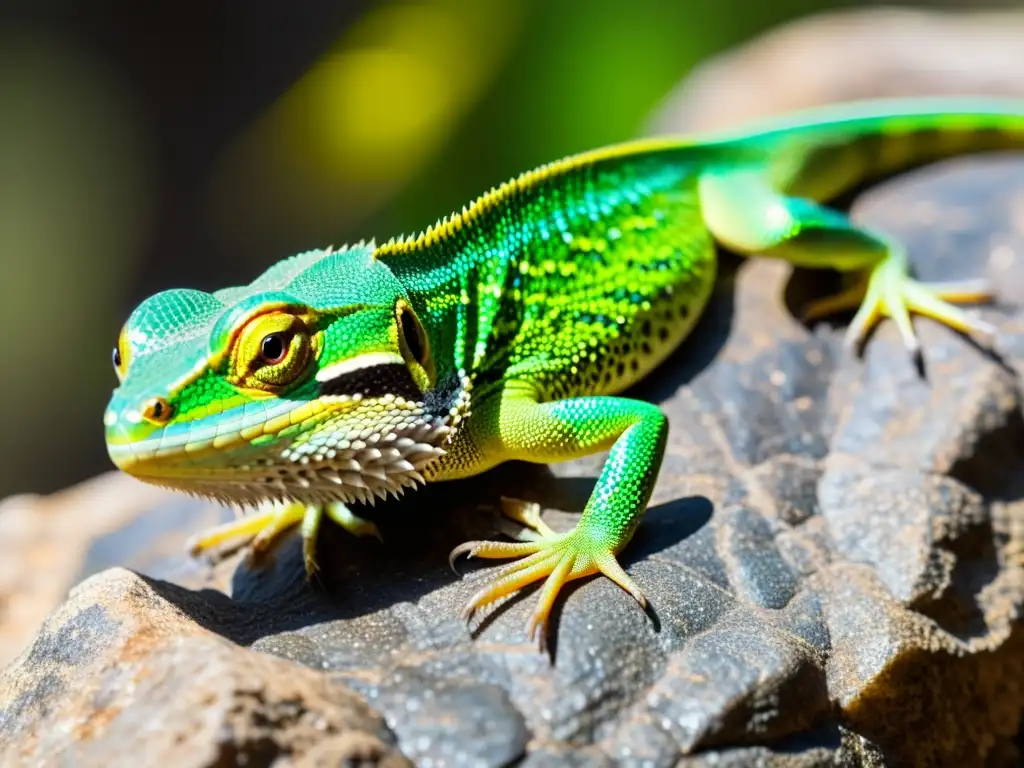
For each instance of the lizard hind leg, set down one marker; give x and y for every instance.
(892, 293)
(744, 212)
(888, 291)
(960, 292)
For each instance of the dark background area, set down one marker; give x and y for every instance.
(145, 146)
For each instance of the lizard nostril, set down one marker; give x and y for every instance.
(157, 411)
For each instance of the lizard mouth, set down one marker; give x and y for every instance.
(337, 447)
(355, 463)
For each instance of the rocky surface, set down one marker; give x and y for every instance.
(834, 557)
(47, 542)
(126, 674)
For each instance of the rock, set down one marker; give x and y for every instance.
(119, 672)
(834, 557)
(50, 543)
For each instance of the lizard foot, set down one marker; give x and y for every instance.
(527, 514)
(557, 558)
(890, 292)
(265, 527)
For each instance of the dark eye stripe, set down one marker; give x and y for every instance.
(374, 381)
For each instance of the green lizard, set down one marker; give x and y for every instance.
(505, 332)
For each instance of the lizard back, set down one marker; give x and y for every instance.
(578, 278)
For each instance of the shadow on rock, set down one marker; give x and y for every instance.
(358, 577)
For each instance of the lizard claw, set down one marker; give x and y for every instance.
(890, 292)
(556, 559)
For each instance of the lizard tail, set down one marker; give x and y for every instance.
(823, 152)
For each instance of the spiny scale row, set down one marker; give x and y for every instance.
(363, 473)
(454, 222)
(324, 447)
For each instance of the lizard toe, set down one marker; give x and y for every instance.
(557, 560)
(892, 293)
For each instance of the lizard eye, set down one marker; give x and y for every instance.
(273, 351)
(120, 356)
(273, 348)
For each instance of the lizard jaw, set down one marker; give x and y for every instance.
(337, 468)
(352, 471)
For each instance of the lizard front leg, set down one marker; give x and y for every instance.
(516, 426)
(266, 526)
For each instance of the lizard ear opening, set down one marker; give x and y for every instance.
(414, 345)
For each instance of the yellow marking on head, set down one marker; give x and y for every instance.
(276, 425)
(251, 433)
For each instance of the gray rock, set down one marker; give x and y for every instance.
(120, 675)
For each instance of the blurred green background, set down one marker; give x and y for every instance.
(153, 145)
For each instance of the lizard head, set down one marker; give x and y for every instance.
(314, 383)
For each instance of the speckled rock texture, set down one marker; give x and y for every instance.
(121, 676)
(834, 557)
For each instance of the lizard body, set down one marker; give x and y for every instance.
(506, 331)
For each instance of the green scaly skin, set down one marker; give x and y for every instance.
(505, 332)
